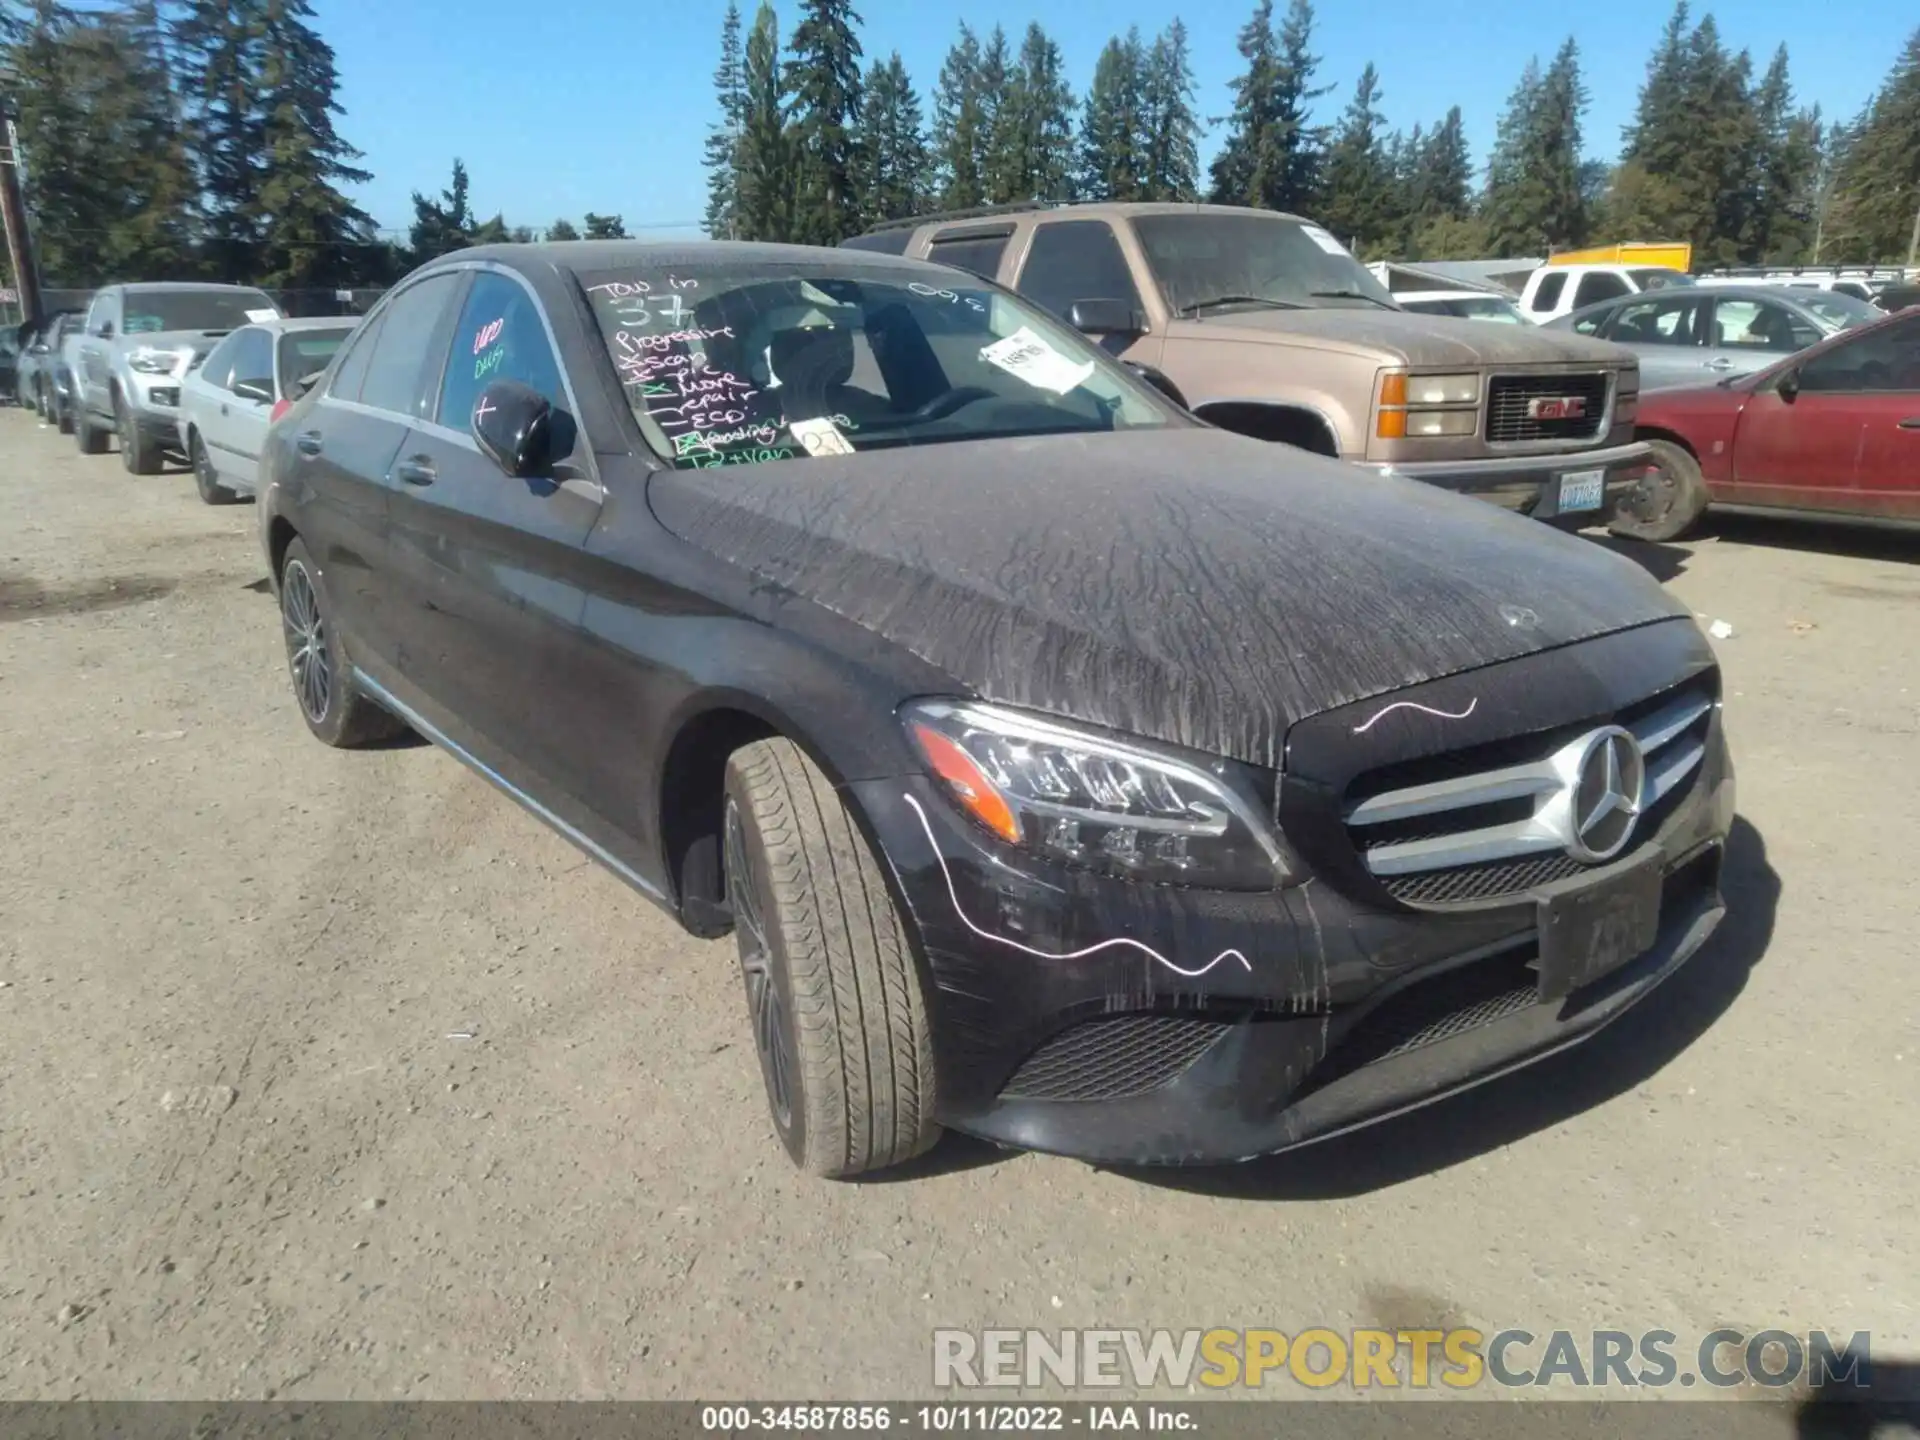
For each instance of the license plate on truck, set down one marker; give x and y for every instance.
(1582, 490)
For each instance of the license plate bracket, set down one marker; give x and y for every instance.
(1590, 932)
(1582, 490)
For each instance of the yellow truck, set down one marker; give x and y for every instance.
(1675, 256)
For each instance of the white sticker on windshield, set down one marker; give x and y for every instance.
(821, 437)
(260, 317)
(1324, 240)
(1025, 356)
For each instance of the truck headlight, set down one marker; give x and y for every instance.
(1442, 422)
(1124, 807)
(1403, 397)
(1443, 389)
(151, 361)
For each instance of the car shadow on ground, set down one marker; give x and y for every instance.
(1886, 1403)
(1663, 562)
(1625, 1054)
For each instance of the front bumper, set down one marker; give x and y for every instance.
(1530, 484)
(1133, 1024)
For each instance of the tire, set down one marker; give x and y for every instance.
(1668, 503)
(205, 478)
(839, 1015)
(40, 405)
(137, 453)
(91, 439)
(62, 415)
(323, 687)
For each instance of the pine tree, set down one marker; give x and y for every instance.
(220, 45)
(1111, 164)
(766, 157)
(1535, 202)
(1170, 168)
(993, 140)
(896, 171)
(562, 229)
(1360, 199)
(1777, 224)
(824, 79)
(603, 227)
(1877, 188)
(443, 225)
(723, 140)
(1241, 172)
(960, 129)
(312, 235)
(493, 231)
(1273, 153)
(1033, 153)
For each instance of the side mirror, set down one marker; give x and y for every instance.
(1788, 385)
(513, 424)
(1105, 317)
(105, 331)
(256, 390)
(1158, 379)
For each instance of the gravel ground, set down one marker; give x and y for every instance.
(334, 1075)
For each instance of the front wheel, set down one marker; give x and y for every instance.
(839, 1014)
(205, 478)
(1668, 502)
(91, 439)
(330, 700)
(137, 453)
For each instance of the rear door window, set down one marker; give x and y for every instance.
(1547, 297)
(1665, 321)
(1598, 285)
(217, 368)
(307, 352)
(1073, 260)
(970, 249)
(403, 373)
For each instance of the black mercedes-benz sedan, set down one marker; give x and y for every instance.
(1068, 772)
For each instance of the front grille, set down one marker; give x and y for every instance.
(1509, 397)
(1115, 1056)
(1430, 1011)
(1480, 824)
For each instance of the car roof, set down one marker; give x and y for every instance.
(1406, 295)
(307, 322)
(589, 257)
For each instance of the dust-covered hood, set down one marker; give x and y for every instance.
(1403, 337)
(1188, 584)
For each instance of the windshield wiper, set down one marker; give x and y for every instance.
(1216, 300)
(1352, 295)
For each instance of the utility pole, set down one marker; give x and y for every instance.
(13, 210)
(1913, 241)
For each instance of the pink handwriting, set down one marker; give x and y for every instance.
(489, 333)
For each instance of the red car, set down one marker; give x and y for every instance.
(1832, 430)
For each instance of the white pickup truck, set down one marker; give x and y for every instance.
(1556, 290)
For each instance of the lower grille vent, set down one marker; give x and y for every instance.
(1115, 1056)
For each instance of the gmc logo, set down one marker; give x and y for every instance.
(1557, 407)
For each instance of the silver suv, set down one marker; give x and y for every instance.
(128, 360)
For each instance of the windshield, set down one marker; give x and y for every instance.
(150, 311)
(1658, 277)
(1490, 307)
(740, 364)
(1206, 261)
(1839, 311)
(306, 352)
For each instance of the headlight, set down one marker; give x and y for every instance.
(1443, 389)
(149, 361)
(1087, 799)
(1443, 422)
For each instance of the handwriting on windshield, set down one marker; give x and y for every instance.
(933, 292)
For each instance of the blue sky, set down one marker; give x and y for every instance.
(563, 106)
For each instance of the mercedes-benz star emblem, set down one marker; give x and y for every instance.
(1606, 794)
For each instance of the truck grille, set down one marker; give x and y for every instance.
(1471, 826)
(1511, 397)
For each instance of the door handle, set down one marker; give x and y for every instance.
(223, 407)
(307, 442)
(415, 470)
(1912, 422)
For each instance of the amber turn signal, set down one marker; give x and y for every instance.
(968, 782)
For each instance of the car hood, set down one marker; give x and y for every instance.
(1190, 585)
(1408, 338)
(198, 341)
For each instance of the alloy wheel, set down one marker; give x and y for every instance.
(307, 653)
(765, 1007)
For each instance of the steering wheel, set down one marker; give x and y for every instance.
(943, 405)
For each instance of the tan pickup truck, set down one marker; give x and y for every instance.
(1263, 323)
